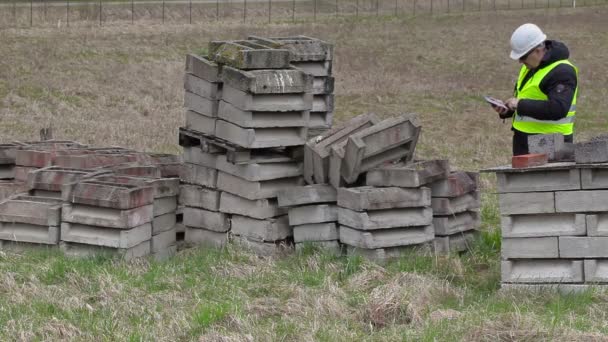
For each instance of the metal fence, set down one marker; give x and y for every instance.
(42, 13)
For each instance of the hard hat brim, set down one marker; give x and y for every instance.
(516, 56)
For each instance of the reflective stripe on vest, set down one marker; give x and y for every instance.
(531, 91)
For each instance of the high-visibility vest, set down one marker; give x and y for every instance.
(531, 91)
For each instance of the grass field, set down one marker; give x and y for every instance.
(122, 85)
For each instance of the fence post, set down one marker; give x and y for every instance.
(377, 7)
(494, 4)
(396, 7)
(293, 11)
(132, 11)
(163, 12)
(357, 9)
(217, 10)
(190, 12)
(67, 13)
(448, 6)
(45, 10)
(100, 20)
(244, 11)
(31, 13)
(414, 9)
(431, 7)
(463, 5)
(314, 10)
(269, 10)
(337, 9)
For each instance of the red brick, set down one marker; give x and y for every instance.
(41, 157)
(108, 195)
(529, 160)
(52, 178)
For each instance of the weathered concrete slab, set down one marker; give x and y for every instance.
(162, 241)
(309, 194)
(107, 217)
(530, 248)
(384, 238)
(21, 247)
(596, 271)
(538, 225)
(20, 173)
(326, 231)
(40, 157)
(135, 170)
(450, 206)
(163, 187)
(245, 57)
(199, 175)
(265, 249)
(163, 223)
(255, 190)
(583, 247)
(259, 209)
(274, 229)
(335, 165)
(203, 68)
(267, 102)
(201, 105)
(333, 247)
(80, 250)
(544, 288)
(597, 225)
(202, 87)
(302, 48)
(448, 225)
(387, 218)
(269, 81)
(317, 68)
(323, 85)
(91, 161)
(581, 201)
(266, 119)
(30, 233)
(323, 103)
(7, 171)
(553, 145)
(259, 172)
(382, 255)
(321, 120)
(8, 153)
(40, 211)
(373, 198)
(594, 178)
(199, 197)
(526, 203)
(541, 180)
(456, 184)
(165, 254)
(456, 243)
(200, 123)
(542, 271)
(165, 205)
(594, 151)
(205, 237)
(10, 188)
(205, 219)
(44, 193)
(196, 155)
(261, 137)
(411, 175)
(101, 236)
(313, 213)
(108, 195)
(386, 141)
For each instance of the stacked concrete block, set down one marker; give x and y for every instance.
(553, 145)
(107, 217)
(203, 91)
(30, 220)
(313, 215)
(48, 181)
(456, 218)
(380, 222)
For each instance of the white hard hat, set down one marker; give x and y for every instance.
(524, 39)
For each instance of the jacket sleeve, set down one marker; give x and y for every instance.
(559, 85)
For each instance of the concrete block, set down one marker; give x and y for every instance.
(161, 158)
(165, 205)
(541, 180)
(597, 225)
(200, 123)
(335, 165)
(205, 237)
(386, 141)
(202, 87)
(170, 170)
(8, 153)
(372, 198)
(448, 225)
(135, 170)
(594, 178)
(409, 175)
(80, 250)
(199, 175)
(261, 137)
(201, 105)
(204, 68)
(314, 213)
(165, 254)
(41, 157)
(538, 225)
(205, 219)
(267, 102)
(315, 132)
(259, 209)
(21, 173)
(583, 247)
(180, 228)
(273, 229)
(563, 289)
(457, 184)
(321, 120)
(260, 172)
(24, 247)
(542, 271)
(529, 160)
(196, 155)
(266, 119)
(269, 81)
(451, 206)
(530, 248)
(199, 197)
(255, 190)
(260, 248)
(596, 271)
(382, 255)
(581, 201)
(30, 233)
(333, 247)
(594, 151)
(10, 188)
(302, 48)
(456, 243)
(323, 103)
(7, 171)
(327, 231)
(40, 211)
(386, 218)
(319, 149)
(317, 68)
(108, 195)
(245, 57)
(107, 217)
(44, 193)
(163, 223)
(309, 194)
(162, 241)
(323, 85)
(526, 203)
(91, 161)
(101, 236)
(553, 145)
(384, 238)
(163, 187)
